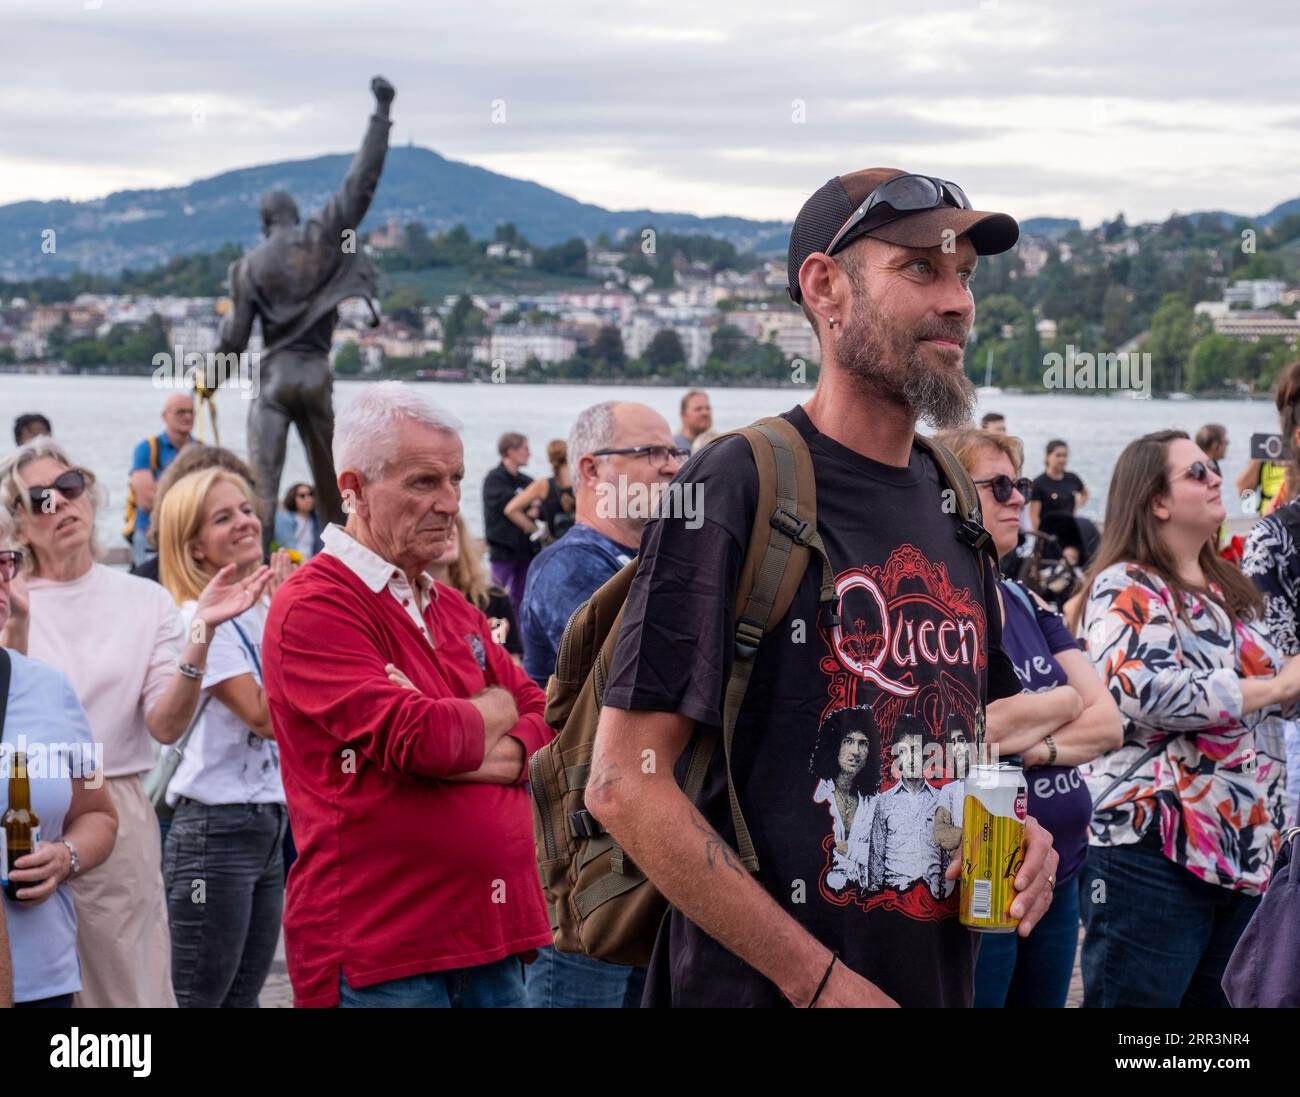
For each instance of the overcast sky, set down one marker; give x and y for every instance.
(1037, 108)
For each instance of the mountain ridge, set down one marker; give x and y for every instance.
(146, 227)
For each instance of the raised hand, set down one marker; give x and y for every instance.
(282, 566)
(227, 596)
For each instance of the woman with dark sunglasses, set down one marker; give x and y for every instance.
(1063, 719)
(137, 672)
(43, 719)
(1187, 813)
(297, 526)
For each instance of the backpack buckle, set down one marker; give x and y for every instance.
(749, 634)
(827, 618)
(582, 824)
(791, 525)
(974, 534)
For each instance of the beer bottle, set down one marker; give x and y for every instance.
(22, 827)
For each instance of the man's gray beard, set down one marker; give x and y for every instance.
(941, 397)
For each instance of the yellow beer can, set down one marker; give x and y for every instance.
(992, 846)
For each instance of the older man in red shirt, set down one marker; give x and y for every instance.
(404, 734)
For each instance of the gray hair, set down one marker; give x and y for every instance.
(14, 487)
(364, 428)
(592, 430)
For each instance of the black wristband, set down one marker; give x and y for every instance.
(825, 979)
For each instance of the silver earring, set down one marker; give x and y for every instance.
(833, 321)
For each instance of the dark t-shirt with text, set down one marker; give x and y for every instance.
(1032, 637)
(843, 745)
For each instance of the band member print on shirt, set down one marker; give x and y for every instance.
(903, 715)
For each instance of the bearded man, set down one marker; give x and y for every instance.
(881, 263)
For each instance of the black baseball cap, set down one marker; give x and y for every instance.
(826, 212)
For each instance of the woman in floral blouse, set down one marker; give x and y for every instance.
(1271, 560)
(1186, 814)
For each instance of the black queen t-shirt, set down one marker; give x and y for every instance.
(850, 736)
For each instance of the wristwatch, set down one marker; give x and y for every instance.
(76, 861)
(190, 671)
(1051, 750)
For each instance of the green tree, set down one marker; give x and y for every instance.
(465, 322)
(347, 362)
(1116, 315)
(1170, 342)
(569, 258)
(665, 349)
(607, 349)
(728, 343)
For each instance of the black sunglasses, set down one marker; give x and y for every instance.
(659, 455)
(1003, 486)
(1198, 471)
(70, 485)
(11, 560)
(905, 194)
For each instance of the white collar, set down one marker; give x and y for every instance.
(371, 568)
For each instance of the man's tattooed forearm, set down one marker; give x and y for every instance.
(716, 850)
(609, 775)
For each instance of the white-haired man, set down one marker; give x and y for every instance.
(404, 732)
(619, 452)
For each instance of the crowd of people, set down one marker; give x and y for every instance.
(333, 740)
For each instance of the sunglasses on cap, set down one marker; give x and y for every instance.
(1003, 487)
(70, 485)
(905, 194)
(1198, 471)
(11, 560)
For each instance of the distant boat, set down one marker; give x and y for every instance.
(988, 388)
(1180, 396)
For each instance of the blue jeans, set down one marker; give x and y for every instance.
(499, 985)
(59, 1001)
(1154, 934)
(141, 550)
(224, 870)
(566, 980)
(1031, 972)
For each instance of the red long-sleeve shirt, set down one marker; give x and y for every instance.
(399, 872)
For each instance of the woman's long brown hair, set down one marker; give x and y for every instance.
(1131, 535)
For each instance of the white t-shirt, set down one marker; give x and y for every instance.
(225, 762)
(117, 637)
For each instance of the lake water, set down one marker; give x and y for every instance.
(100, 419)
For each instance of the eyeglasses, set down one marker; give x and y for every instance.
(659, 455)
(905, 194)
(1198, 471)
(11, 560)
(70, 485)
(1003, 486)
(306, 495)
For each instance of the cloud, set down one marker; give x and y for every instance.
(1040, 108)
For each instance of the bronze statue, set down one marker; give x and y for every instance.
(294, 281)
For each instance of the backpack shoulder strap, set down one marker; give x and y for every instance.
(971, 529)
(783, 537)
(155, 452)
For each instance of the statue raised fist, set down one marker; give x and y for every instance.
(384, 91)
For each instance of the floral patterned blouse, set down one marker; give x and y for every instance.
(1271, 562)
(1213, 778)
